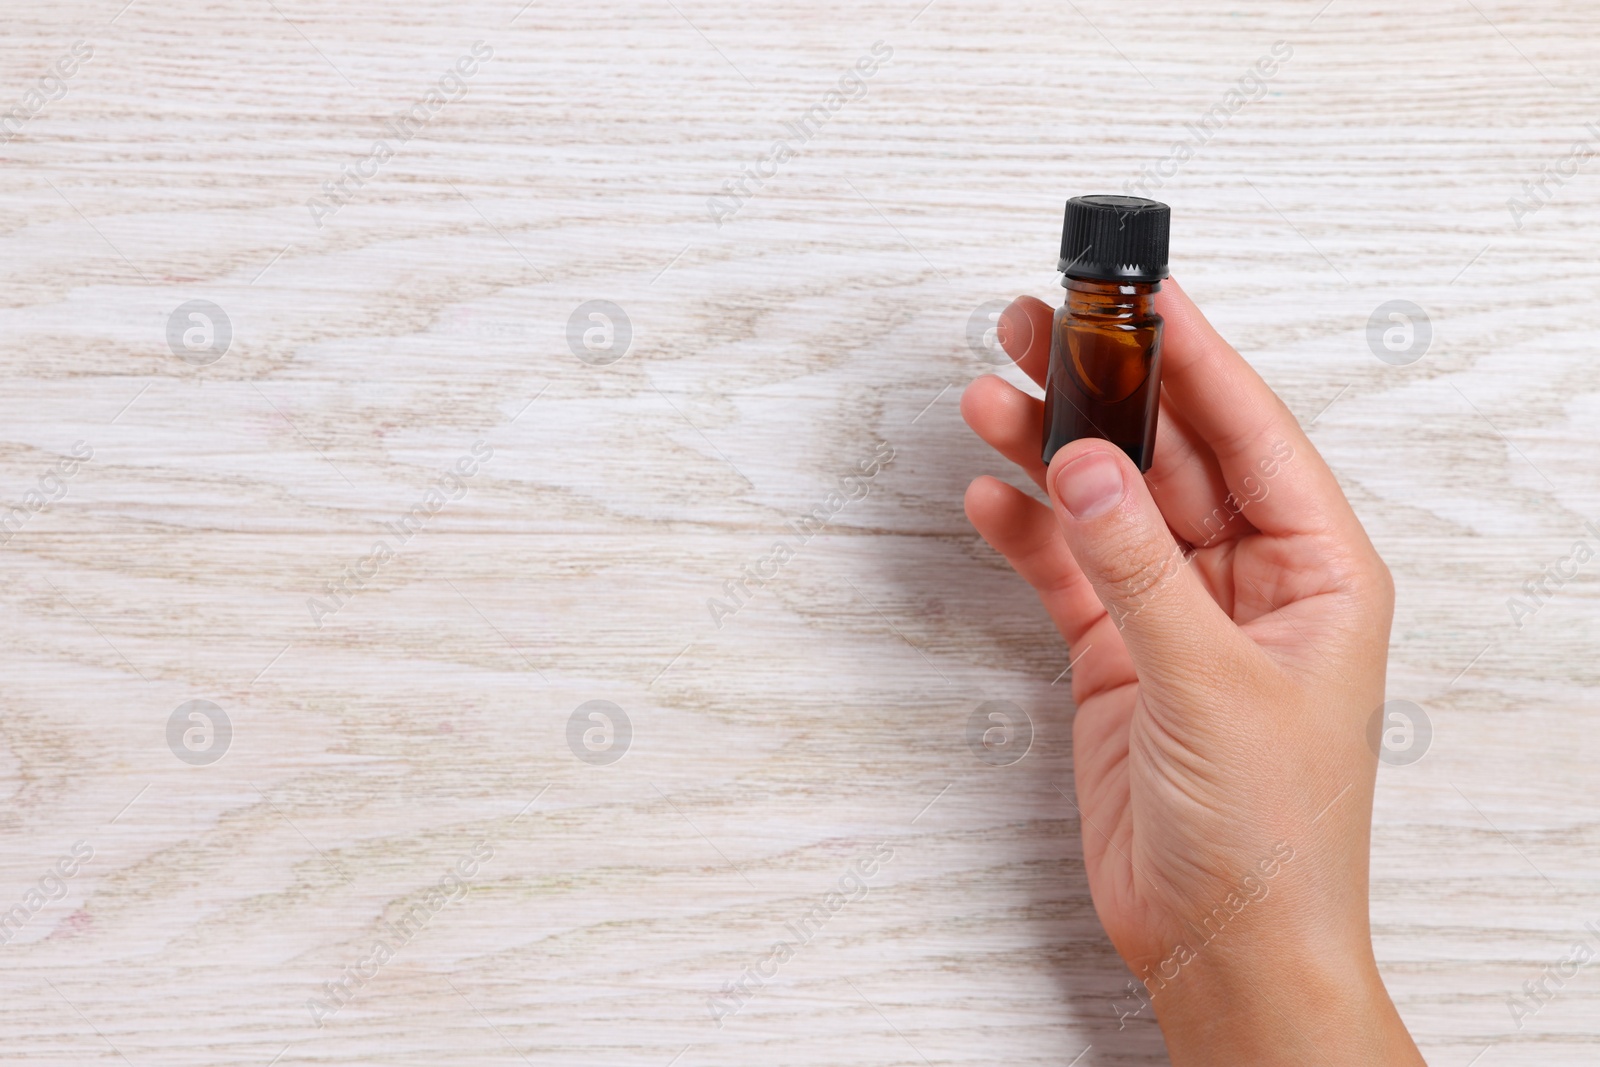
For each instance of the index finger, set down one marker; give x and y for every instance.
(1257, 440)
(1024, 332)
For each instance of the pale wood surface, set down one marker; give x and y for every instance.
(769, 356)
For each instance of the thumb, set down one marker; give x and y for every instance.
(1170, 624)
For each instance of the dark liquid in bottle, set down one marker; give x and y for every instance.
(1105, 368)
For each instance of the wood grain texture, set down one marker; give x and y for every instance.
(372, 753)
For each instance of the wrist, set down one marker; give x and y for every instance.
(1287, 1005)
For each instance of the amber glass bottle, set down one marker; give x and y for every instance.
(1105, 349)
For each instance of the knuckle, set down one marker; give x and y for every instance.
(1134, 572)
(1382, 586)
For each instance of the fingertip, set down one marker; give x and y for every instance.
(1014, 330)
(997, 509)
(1072, 451)
(1024, 332)
(1173, 292)
(1190, 337)
(1032, 305)
(982, 497)
(1174, 306)
(991, 398)
(972, 396)
(1088, 481)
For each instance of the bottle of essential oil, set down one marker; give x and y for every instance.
(1105, 348)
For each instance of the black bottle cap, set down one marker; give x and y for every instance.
(1115, 239)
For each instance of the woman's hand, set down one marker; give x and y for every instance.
(1228, 625)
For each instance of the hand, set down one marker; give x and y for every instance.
(1227, 620)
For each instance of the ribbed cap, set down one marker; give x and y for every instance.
(1115, 239)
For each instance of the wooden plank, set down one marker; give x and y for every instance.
(421, 718)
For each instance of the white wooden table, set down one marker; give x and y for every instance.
(415, 722)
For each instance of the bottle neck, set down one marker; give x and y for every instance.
(1110, 300)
